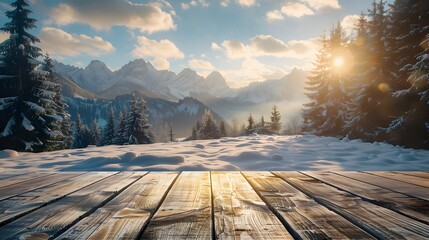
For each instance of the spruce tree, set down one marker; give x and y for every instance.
(250, 123)
(121, 134)
(95, 133)
(137, 123)
(109, 129)
(208, 129)
(194, 135)
(26, 100)
(222, 129)
(262, 122)
(82, 135)
(275, 120)
(170, 133)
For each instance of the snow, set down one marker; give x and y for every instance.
(286, 153)
(7, 153)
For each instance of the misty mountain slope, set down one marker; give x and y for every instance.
(71, 89)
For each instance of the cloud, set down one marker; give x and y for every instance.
(267, 45)
(274, 16)
(200, 64)
(4, 36)
(215, 46)
(184, 6)
(349, 22)
(5, 7)
(296, 10)
(160, 51)
(194, 3)
(103, 14)
(251, 70)
(246, 3)
(319, 4)
(60, 43)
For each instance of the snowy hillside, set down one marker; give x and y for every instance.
(243, 153)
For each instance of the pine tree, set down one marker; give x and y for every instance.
(95, 133)
(109, 129)
(170, 133)
(222, 129)
(82, 134)
(194, 135)
(121, 135)
(137, 123)
(250, 123)
(262, 122)
(275, 120)
(208, 129)
(25, 99)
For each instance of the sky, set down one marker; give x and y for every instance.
(245, 40)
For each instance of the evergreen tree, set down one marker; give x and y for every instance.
(208, 129)
(194, 135)
(25, 99)
(82, 136)
(275, 120)
(222, 129)
(250, 123)
(121, 135)
(137, 122)
(109, 129)
(95, 133)
(170, 133)
(262, 122)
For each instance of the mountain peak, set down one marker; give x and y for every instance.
(97, 64)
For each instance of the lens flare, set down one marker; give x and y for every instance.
(339, 62)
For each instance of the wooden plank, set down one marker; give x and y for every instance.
(52, 220)
(22, 178)
(126, 214)
(424, 175)
(35, 183)
(403, 178)
(394, 185)
(5, 175)
(27, 202)
(185, 212)
(240, 213)
(380, 222)
(306, 218)
(412, 207)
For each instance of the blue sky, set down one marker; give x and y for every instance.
(246, 40)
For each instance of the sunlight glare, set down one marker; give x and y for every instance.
(339, 62)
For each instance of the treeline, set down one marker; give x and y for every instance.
(131, 127)
(374, 85)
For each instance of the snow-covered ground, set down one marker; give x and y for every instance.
(242, 153)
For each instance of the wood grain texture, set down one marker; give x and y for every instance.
(381, 222)
(26, 202)
(400, 177)
(412, 207)
(240, 213)
(185, 212)
(125, 215)
(10, 180)
(307, 218)
(51, 220)
(35, 183)
(5, 175)
(394, 185)
(424, 175)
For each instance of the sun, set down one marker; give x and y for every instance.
(339, 62)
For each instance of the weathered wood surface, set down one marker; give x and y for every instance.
(185, 212)
(378, 221)
(240, 213)
(126, 214)
(399, 177)
(214, 205)
(306, 218)
(394, 185)
(26, 202)
(50, 221)
(34, 183)
(412, 207)
(5, 175)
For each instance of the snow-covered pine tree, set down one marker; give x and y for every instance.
(24, 96)
(137, 123)
(250, 123)
(194, 135)
(314, 112)
(59, 106)
(109, 129)
(208, 129)
(222, 129)
(82, 135)
(95, 133)
(121, 134)
(170, 133)
(275, 120)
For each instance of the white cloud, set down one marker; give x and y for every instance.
(103, 14)
(4, 36)
(267, 45)
(296, 10)
(184, 6)
(349, 22)
(215, 46)
(200, 64)
(274, 16)
(251, 70)
(61, 43)
(5, 7)
(160, 51)
(319, 4)
(194, 3)
(224, 3)
(246, 3)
